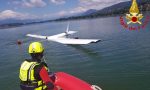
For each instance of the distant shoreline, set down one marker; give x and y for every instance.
(13, 25)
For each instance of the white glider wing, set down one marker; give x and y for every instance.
(73, 41)
(53, 36)
(36, 36)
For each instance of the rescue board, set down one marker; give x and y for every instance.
(68, 82)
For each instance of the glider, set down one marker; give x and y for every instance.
(63, 38)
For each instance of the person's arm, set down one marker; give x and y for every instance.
(45, 77)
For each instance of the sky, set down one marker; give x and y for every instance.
(48, 9)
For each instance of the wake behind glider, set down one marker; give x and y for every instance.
(63, 38)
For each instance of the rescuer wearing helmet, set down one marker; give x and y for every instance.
(34, 72)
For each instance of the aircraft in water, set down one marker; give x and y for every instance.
(64, 39)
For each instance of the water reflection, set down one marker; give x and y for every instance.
(90, 53)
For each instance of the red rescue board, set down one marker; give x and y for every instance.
(69, 82)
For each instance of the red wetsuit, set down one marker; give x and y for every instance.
(46, 79)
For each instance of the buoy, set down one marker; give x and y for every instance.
(19, 42)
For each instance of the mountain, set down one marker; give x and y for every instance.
(6, 21)
(123, 7)
(90, 11)
(9, 23)
(117, 9)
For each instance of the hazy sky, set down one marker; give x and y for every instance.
(29, 9)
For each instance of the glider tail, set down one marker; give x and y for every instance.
(67, 30)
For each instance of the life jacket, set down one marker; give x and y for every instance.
(30, 77)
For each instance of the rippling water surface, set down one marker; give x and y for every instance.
(121, 61)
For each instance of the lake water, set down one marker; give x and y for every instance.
(121, 61)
